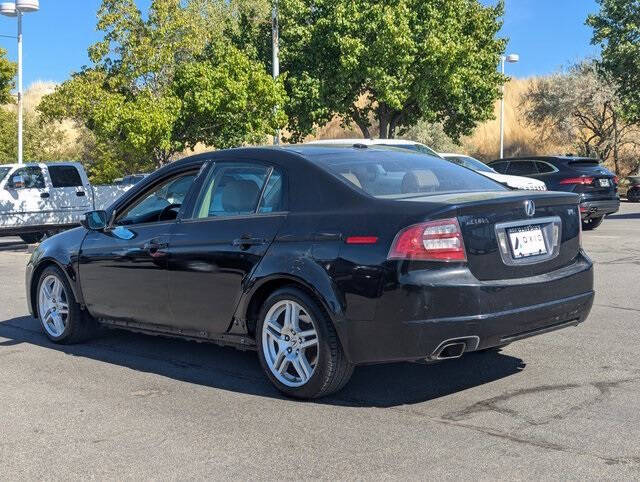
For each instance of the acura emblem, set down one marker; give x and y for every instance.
(529, 208)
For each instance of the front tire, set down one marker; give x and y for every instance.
(592, 223)
(61, 318)
(298, 346)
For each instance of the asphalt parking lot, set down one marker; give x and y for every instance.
(127, 406)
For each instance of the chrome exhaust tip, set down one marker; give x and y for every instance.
(455, 348)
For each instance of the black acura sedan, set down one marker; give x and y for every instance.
(320, 259)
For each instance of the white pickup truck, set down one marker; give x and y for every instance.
(38, 199)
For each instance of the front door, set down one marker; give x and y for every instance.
(123, 270)
(27, 202)
(236, 217)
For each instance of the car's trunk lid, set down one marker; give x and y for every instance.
(496, 225)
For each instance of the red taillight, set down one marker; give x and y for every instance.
(433, 241)
(578, 180)
(362, 240)
(615, 179)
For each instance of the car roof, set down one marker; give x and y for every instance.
(366, 142)
(452, 154)
(32, 164)
(546, 158)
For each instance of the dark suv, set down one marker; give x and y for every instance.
(596, 185)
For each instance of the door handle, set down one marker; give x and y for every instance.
(79, 193)
(44, 195)
(246, 241)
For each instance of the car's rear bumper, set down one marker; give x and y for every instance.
(489, 314)
(596, 209)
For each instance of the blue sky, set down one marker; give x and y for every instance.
(547, 34)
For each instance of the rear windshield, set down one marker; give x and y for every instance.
(470, 162)
(394, 174)
(414, 147)
(585, 163)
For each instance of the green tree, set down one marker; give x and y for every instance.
(616, 28)
(396, 62)
(582, 106)
(163, 84)
(7, 75)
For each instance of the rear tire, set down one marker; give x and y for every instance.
(592, 223)
(32, 238)
(61, 318)
(298, 347)
(633, 195)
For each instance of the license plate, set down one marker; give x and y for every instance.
(527, 241)
(605, 183)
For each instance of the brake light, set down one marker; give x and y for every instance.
(615, 179)
(578, 180)
(362, 240)
(433, 241)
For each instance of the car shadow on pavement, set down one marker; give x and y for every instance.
(229, 369)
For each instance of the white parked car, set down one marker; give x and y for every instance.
(38, 198)
(514, 182)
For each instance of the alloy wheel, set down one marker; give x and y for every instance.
(290, 343)
(53, 306)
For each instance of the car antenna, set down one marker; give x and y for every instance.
(361, 146)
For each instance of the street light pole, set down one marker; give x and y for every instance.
(20, 119)
(275, 48)
(512, 59)
(17, 9)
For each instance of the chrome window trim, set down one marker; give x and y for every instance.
(552, 232)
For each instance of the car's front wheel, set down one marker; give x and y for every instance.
(61, 318)
(298, 346)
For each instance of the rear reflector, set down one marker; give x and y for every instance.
(362, 240)
(578, 180)
(433, 241)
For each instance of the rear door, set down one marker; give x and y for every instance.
(68, 192)
(212, 254)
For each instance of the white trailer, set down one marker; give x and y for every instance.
(38, 198)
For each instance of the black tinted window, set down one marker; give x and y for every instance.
(396, 174)
(31, 175)
(522, 168)
(500, 167)
(64, 176)
(232, 191)
(150, 207)
(273, 194)
(544, 167)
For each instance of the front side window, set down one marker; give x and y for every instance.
(161, 203)
(235, 190)
(64, 176)
(31, 176)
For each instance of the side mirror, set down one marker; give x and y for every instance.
(95, 220)
(17, 182)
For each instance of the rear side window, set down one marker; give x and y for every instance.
(522, 168)
(545, 167)
(64, 176)
(396, 175)
(235, 190)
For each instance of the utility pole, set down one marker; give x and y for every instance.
(512, 59)
(275, 46)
